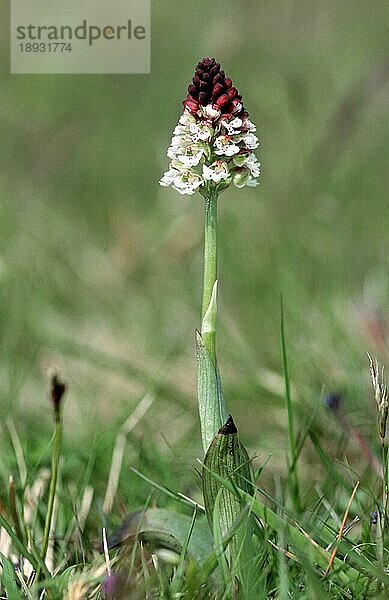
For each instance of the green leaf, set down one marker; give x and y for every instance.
(219, 540)
(227, 458)
(212, 407)
(167, 529)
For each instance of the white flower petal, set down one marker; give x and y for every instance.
(225, 146)
(187, 182)
(171, 153)
(190, 160)
(197, 137)
(253, 164)
(199, 133)
(236, 123)
(217, 172)
(237, 107)
(252, 182)
(186, 119)
(251, 141)
(232, 126)
(228, 150)
(247, 124)
(207, 173)
(179, 130)
(211, 112)
(168, 177)
(176, 141)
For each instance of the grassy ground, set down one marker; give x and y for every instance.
(100, 269)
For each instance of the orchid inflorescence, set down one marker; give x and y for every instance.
(213, 142)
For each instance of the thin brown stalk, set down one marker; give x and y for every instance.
(341, 528)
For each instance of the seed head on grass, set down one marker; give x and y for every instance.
(380, 394)
(58, 388)
(57, 391)
(213, 143)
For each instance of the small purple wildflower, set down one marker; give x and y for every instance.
(114, 585)
(333, 401)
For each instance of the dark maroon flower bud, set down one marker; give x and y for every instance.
(223, 100)
(232, 92)
(217, 90)
(191, 104)
(210, 86)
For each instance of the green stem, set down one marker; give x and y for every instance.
(208, 313)
(53, 486)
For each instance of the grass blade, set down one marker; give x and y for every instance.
(289, 406)
(8, 579)
(36, 562)
(179, 574)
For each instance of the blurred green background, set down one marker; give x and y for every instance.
(101, 269)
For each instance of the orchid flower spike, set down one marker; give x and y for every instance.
(213, 142)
